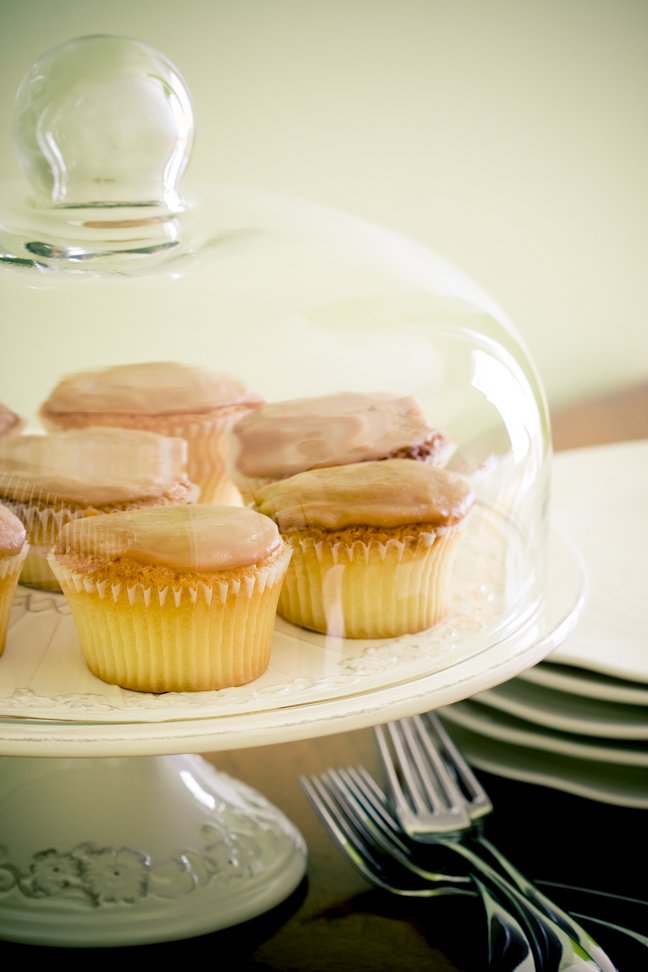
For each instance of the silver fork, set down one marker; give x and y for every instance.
(385, 860)
(551, 947)
(437, 798)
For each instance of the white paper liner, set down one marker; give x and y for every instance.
(36, 572)
(375, 589)
(45, 522)
(47, 519)
(10, 568)
(247, 586)
(207, 441)
(195, 638)
(360, 550)
(9, 565)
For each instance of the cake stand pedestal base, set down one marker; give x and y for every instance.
(102, 852)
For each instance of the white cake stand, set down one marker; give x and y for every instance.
(113, 835)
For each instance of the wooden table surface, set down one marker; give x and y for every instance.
(335, 921)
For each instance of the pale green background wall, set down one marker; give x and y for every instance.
(509, 135)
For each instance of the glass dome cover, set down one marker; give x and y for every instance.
(108, 262)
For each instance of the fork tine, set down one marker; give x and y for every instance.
(422, 788)
(350, 799)
(441, 774)
(359, 855)
(372, 850)
(375, 823)
(370, 800)
(431, 785)
(389, 766)
(338, 825)
(411, 787)
(374, 799)
(480, 801)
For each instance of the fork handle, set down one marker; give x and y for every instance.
(545, 904)
(573, 953)
(509, 949)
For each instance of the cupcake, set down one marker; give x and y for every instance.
(372, 545)
(10, 422)
(180, 599)
(281, 439)
(166, 397)
(13, 550)
(48, 480)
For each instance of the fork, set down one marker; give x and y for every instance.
(437, 798)
(385, 860)
(360, 796)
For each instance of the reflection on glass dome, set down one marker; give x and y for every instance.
(107, 265)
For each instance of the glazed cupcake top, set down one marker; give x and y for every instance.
(149, 388)
(198, 538)
(94, 466)
(283, 438)
(389, 493)
(10, 423)
(12, 533)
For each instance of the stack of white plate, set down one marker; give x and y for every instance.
(578, 721)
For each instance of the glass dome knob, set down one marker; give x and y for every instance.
(103, 121)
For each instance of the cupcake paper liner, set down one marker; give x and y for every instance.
(9, 565)
(36, 571)
(10, 568)
(160, 639)
(43, 524)
(206, 461)
(369, 590)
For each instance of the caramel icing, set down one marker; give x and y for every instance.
(10, 423)
(94, 467)
(154, 387)
(12, 533)
(182, 538)
(389, 493)
(283, 438)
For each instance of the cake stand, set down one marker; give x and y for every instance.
(112, 833)
(115, 834)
